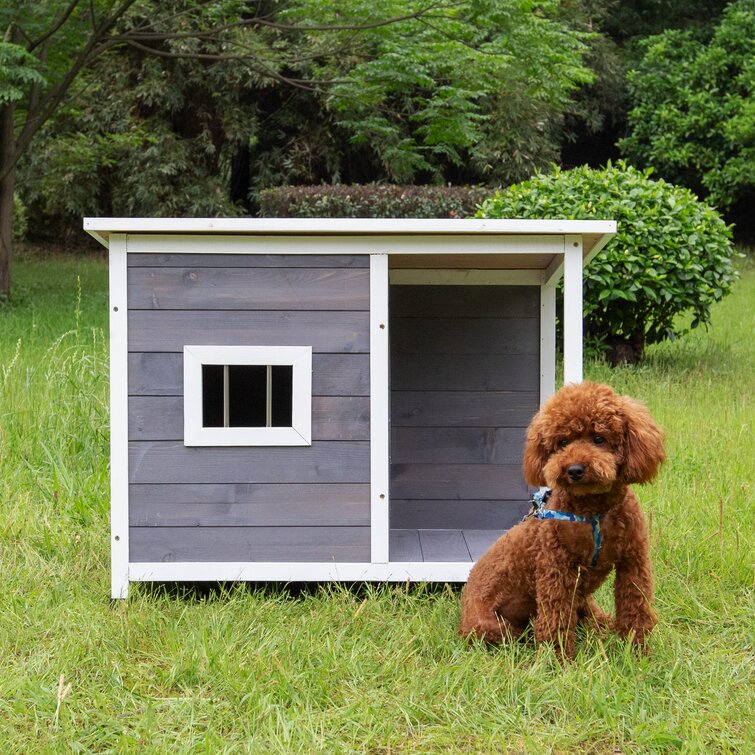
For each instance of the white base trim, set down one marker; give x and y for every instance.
(414, 571)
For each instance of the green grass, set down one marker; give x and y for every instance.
(255, 668)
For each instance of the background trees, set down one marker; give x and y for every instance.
(192, 108)
(185, 108)
(692, 112)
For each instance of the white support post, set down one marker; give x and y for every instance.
(572, 309)
(379, 411)
(547, 341)
(118, 418)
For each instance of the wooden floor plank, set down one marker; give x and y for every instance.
(404, 545)
(478, 541)
(443, 545)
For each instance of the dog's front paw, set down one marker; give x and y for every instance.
(638, 636)
(594, 617)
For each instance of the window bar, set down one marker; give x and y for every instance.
(226, 398)
(269, 397)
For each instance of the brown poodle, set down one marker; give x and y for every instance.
(587, 444)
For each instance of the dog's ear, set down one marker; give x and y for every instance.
(535, 454)
(643, 444)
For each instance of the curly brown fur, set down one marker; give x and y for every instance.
(588, 444)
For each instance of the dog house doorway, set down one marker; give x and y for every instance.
(464, 384)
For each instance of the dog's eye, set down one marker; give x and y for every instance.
(598, 440)
(563, 443)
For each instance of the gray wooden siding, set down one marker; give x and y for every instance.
(249, 503)
(465, 375)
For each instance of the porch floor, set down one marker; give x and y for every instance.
(440, 545)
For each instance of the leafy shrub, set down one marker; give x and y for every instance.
(672, 254)
(370, 201)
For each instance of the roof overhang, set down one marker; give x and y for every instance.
(595, 234)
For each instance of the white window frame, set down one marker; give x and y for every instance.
(297, 357)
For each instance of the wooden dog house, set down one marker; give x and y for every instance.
(324, 399)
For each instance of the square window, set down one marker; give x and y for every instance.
(247, 395)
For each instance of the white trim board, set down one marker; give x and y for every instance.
(415, 571)
(119, 545)
(103, 227)
(379, 410)
(415, 244)
(298, 357)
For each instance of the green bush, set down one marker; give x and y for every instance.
(671, 256)
(370, 201)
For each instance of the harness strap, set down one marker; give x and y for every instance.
(540, 498)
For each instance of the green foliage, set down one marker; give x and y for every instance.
(692, 111)
(373, 201)
(466, 92)
(671, 256)
(18, 72)
(478, 88)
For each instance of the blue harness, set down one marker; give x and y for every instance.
(540, 498)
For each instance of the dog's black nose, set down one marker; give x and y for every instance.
(575, 472)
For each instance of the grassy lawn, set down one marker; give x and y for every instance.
(255, 668)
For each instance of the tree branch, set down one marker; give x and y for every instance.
(55, 27)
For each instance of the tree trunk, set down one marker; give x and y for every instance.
(7, 185)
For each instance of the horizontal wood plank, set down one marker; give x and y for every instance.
(459, 409)
(221, 288)
(158, 374)
(469, 372)
(197, 544)
(248, 260)
(244, 505)
(457, 481)
(322, 462)
(451, 336)
(458, 445)
(464, 514)
(333, 418)
(465, 301)
(166, 331)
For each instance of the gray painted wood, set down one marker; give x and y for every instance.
(465, 376)
(464, 514)
(477, 372)
(243, 505)
(478, 541)
(452, 336)
(465, 301)
(155, 374)
(457, 481)
(197, 544)
(322, 462)
(333, 418)
(457, 445)
(247, 260)
(462, 409)
(158, 374)
(166, 331)
(248, 288)
(403, 545)
(443, 545)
